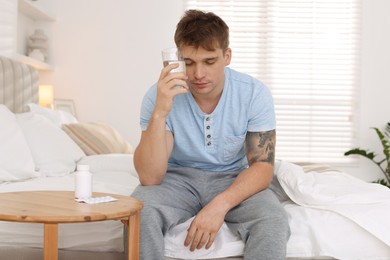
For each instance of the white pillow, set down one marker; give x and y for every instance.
(16, 161)
(110, 162)
(54, 153)
(57, 117)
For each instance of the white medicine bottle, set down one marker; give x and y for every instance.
(83, 182)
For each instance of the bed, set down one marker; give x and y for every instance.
(332, 215)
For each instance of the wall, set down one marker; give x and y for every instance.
(106, 55)
(375, 81)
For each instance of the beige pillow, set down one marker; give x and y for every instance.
(317, 167)
(97, 138)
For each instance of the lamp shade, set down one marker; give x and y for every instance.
(46, 96)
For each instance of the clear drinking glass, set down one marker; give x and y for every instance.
(172, 55)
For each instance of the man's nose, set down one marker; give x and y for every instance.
(199, 71)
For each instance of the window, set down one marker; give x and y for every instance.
(307, 53)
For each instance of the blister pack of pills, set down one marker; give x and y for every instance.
(96, 200)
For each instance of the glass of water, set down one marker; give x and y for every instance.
(172, 55)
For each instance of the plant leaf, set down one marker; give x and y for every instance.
(383, 182)
(385, 144)
(387, 130)
(358, 151)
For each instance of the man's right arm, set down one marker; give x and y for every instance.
(152, 154)
(156, 144)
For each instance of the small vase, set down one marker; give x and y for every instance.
(38, 41)
(37, 54)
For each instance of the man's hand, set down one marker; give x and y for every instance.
(204, 228)
(167, 88)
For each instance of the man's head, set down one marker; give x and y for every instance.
(199, 29)
(203, 41)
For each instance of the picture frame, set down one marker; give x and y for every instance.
(66, 105)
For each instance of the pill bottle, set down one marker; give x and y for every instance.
(83, 182)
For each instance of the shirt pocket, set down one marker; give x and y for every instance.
(233, 146)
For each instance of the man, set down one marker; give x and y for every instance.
(207, 149)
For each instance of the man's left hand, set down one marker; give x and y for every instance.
(204, 228)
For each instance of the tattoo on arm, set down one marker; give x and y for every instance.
(260, 147)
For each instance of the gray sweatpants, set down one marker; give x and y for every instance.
(260, 220)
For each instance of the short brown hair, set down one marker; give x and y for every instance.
(202, 29)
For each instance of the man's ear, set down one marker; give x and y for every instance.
(228, 56)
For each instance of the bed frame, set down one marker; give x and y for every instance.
(18, 85)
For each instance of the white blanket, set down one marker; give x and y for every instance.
(366, 204)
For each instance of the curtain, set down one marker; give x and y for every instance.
(307, 53)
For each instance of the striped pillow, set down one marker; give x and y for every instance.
(97, 138)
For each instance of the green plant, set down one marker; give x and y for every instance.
(384, 163)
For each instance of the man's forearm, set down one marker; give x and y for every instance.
(252, 180)
(152, 153)
(260, 149)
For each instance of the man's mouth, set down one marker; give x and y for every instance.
(200, 84)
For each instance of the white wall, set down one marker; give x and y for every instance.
(107, 53)
(375, 81)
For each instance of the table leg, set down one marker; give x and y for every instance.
(133, 233)
(50, 243)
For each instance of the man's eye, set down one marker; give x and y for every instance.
(210, 62)
(188, 63)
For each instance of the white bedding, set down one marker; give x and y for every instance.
(331, 214)
(365, 204)
(335, 214)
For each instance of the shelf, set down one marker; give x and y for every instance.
(39, 65)
(30, 9)
(36, 14)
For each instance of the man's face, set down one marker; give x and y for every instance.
(205, 70)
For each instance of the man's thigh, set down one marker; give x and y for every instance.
(175, 193)
(262, 205)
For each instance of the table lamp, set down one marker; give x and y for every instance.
(46, 96)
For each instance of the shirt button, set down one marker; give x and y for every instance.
(208, 127)
(207, 118)
(208, 136)
(209, 143)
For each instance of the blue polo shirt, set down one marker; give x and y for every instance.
(216, 141)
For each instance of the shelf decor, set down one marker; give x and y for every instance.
(38, 44)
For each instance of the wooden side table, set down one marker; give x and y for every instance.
(57, 207)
